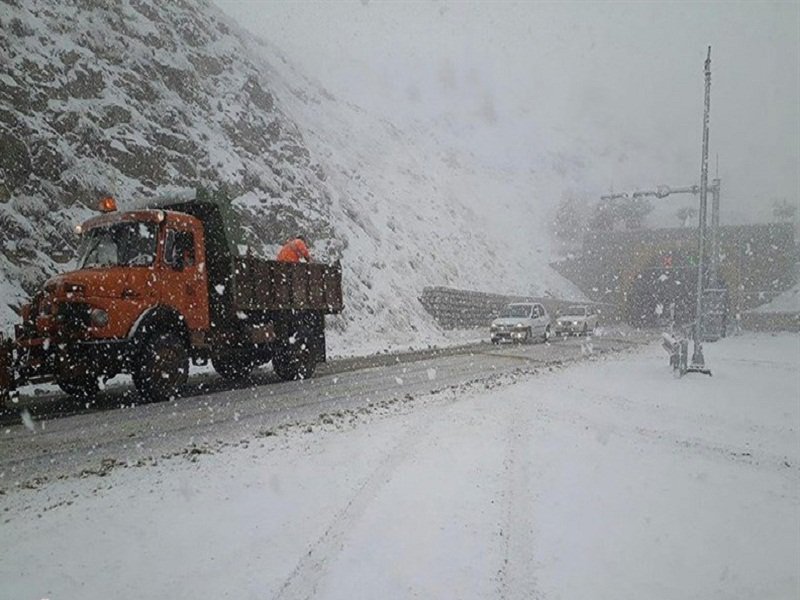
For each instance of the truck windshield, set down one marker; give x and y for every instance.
(128, 244)
(516, 311)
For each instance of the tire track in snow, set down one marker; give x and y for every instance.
(516, 577)
(303, 582)
(688, 445)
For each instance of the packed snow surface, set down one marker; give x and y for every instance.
(606, 479)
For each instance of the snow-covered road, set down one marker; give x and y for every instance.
(604, 479)
(61, 437)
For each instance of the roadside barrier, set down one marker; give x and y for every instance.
(464, 309)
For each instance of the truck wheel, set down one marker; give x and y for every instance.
(82, 388)
(294, 361)
(233, 365)
(163, 367)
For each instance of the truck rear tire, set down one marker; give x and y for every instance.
(162, 368)
(234, 365)
(294, 361)
(81, 388)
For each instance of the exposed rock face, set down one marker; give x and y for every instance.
(130, 98)
(140, 99)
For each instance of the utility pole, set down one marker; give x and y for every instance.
(713, 272)
(698, 362)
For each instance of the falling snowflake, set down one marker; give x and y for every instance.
(27, 420)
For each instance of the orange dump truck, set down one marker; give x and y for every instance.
(160, 287)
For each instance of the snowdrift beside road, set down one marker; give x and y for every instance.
(785, 302)
(782, 313)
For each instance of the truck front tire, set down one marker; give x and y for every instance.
(162, 367)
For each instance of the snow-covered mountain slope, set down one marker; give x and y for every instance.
(140, 99)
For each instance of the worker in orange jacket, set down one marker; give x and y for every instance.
(295, 250)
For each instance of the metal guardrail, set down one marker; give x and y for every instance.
(464, 309)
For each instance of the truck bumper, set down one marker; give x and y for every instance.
(569, 329)
(508, 336)
(40, 361)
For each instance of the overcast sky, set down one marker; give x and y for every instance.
(621, 83)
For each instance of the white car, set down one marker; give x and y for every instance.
(521, 322)
(576, 320)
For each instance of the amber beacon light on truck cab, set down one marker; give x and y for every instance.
(157, 288)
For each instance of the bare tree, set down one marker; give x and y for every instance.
(610, 211)
(604, 216)
(783, 210)
(684, 213)
(633, 212)
(569, 222)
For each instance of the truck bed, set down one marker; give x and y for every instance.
(269, 285)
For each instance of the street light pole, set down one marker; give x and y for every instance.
(698, 362)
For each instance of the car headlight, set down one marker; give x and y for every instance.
(519, 326)
(574, 322)
(99, 317)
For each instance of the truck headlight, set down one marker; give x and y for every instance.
(46, 307)
(519, 326)
(99, 317)
(74, 289)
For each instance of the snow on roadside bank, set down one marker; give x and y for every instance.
(609, 479)
(786, 302)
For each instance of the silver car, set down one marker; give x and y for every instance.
(576, 320)
(521, 322)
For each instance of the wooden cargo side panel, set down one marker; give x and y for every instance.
(261, 285)
(253, 286)
(333, 288)
(300, 286)
(243, 296)
(316, 286)
(281, 279)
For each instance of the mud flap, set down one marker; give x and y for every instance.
(7, 380)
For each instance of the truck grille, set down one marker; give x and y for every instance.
(73, 317)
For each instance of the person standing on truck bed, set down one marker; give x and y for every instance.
(295, 250)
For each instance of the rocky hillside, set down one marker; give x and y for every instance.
(142, 99)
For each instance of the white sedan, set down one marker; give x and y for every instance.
(576, 320)
(521, 322)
